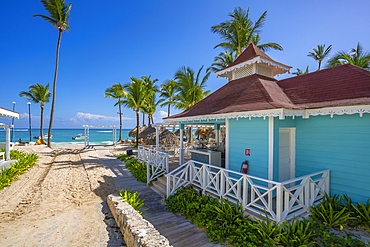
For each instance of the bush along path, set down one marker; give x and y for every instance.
(225, 223)
(21, 165)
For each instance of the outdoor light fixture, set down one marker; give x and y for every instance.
(29, 117)
(11, 137)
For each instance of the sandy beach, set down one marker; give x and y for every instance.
(60, 202)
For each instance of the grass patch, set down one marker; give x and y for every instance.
(225, 224)
(10, 174)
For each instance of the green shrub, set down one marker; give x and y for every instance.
(137, 169)
(297, 233)
(10, 174)
(133, 199)
(362, 214)
(14, 154)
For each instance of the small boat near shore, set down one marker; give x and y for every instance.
(78, 137)
(45, 137)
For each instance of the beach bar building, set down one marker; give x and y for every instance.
(7, 144)
(302, 136)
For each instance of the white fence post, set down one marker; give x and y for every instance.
(147, 173)
(168, 186)
(279, 203)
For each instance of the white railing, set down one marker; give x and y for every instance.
(280, 200)
(157, 162)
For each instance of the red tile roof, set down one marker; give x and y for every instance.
(251, 52)
(344, 85)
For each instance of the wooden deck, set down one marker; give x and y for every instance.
(178, 230)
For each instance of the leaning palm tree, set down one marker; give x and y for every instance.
(301, 72)
(190, 88)
(59, 18)
(116, 92)
(357, 56)
(320, 53)
(168, 91)
(240, 31)
(40, 95)
(135, 99)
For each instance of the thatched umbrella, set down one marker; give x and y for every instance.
(186, 132)
(146, 131)
(133, 132)
(165, 137)
(212, 134)
(203, 131)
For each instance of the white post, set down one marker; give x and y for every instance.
(227, 144)
(157, 138)
(271, 150)
(88, 136)
(181, 158)
(85, 136)
(218, 137)
(191, 137)
(7, 139)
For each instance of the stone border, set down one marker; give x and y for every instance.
(136, 231)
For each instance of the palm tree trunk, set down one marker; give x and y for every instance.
(41, 124)
(143, 119)
(319, 65)
(169, 108)
(120, 122)
(137, 128)
(149, 125)
(54, 88)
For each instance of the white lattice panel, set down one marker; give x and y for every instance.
(244, 71)
(266, 71)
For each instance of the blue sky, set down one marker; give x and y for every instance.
(110, 41)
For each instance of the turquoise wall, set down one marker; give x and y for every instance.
(341, 144)
(251, 134)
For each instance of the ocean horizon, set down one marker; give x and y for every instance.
(63, 137)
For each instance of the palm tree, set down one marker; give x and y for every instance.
(223, 60)
(301, 72)
(320, 53)
(240, 31)
(151, 89)
(135, 99)
(116, 92)
(190, 88)
(151, 104)
(168, 90)
(59, 18)
(38, 94)
(357, 56)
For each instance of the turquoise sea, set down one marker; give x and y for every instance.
(63, 137)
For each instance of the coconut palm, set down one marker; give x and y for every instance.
(151, 89)
(168, 90)
(135, 99)
(190, 88)
(151, 104)
(357, 56)
(223, 60)
(59, 18)
(320, 53)
(40, 95)
(116, 92)
(301, 72)
(240, 31)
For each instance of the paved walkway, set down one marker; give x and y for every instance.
(178, 230)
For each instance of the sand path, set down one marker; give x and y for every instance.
(60, 202)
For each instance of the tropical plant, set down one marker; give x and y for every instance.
(301, 72)
(320, 53)
(135, 99)
(116, 92)
(357, 56)
(150, 99)
(39, 95)
(240, 31)
(190, 88)
(297, 233)
(133, 199)
(168, 90)
(363, 214)
(267, 228)
(59, 18)
(223, 60)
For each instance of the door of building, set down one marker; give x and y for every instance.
(286, 154)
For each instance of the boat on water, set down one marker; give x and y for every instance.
(45, 137)
(78, 137)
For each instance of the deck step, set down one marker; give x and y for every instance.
(160, 187)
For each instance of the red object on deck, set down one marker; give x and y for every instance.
(245, 167)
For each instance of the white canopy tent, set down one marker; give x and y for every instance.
(87, 132)
(12, 114)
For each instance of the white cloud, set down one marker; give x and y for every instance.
(159, 115)
(25, 115)
(162, 114)
(89, 117)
